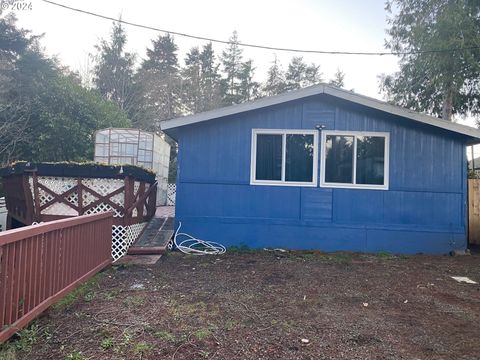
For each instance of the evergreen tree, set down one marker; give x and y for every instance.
(45, 114)
(232, 67)
(432, 77)
(338, 79)
(161, 83)
(211, 93)
(295, 75)
(192, 81)
(113, 72)
(300, 75)
(159, 75)
(313, 75)
(248, 88)
(275, 83)
(201, 80)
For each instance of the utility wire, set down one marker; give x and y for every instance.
(260, 46)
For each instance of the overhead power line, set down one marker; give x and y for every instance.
(256, 46)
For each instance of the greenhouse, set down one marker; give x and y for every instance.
(135, 147)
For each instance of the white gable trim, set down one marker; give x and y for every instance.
(316, 90)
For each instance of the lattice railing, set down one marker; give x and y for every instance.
(123, 237)
(171, 194)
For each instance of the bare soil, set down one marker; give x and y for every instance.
(260, 305)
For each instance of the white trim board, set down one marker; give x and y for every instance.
(323, 89)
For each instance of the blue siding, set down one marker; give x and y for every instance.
(423, 210)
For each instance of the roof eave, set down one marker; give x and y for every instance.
(316, 90)
(239, 108)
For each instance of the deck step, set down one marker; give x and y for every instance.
(155, 238)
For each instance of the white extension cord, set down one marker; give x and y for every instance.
(194, 246)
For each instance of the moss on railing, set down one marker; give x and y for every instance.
(77, 169)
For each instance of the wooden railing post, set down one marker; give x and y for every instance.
(128, 200)
(80, 196)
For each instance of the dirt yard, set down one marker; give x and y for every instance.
(266, 305)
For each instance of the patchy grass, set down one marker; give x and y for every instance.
(261, 304)
(76, 355)
(142, 348)
(23, 341)
(134, 301)
(107, 343)
(165, 336)
(86, 291)
(202, 334)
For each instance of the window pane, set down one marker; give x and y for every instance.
(299, 158)
(148, 156)
(101, 150)
(102, 137)
(269, 157)
(339, 159)
(370, 160)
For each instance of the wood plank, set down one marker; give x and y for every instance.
(474, 211)
(80, 196)
(36, 201)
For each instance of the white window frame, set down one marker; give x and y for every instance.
(284, 133)
(355, 134)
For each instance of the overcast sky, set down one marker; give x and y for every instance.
(338, 25)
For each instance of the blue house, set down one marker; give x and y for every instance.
(323, 168)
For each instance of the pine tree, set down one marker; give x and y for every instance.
(232, 67)
(313, 75)
(161, 82)
(248, 88)
(295, 75)
(201, 80)
(275, 83)
(338, 79)
(192, 81)
(113, 72)
(210, 79)
(159, 75)
(300, 75)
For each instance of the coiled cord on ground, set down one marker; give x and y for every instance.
(194, 246)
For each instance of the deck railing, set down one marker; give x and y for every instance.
(41, 263)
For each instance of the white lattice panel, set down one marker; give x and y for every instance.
(60, 209)
(171, 194)
(88, 198)
(59, 185)
(123, 237)
(103, 187)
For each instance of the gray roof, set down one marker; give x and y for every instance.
(317, 90)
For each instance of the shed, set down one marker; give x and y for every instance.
(323, 168)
